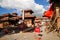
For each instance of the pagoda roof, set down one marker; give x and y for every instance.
(28, 16)
(6, 15)
(28, 10)
(1, 17)
(4, 19)
(14, 13)
(14, 18)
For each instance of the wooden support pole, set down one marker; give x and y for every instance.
(58, 17)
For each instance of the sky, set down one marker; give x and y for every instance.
(10, 6)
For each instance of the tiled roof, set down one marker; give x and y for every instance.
(6, 15)
(1, 17)
(4, 19)
(27, 16)
(28, 10)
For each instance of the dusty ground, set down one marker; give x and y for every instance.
(20, 36)
(50, 36)
(30, 36)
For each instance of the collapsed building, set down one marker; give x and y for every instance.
(53, 13)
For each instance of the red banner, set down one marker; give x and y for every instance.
(49, 12)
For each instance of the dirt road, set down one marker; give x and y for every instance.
(30, 36)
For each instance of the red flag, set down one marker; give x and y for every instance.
(49, 12)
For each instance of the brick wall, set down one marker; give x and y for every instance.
(1, 25)
(58, 22)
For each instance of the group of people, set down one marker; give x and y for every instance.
(40, 27)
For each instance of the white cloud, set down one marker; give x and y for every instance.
(39, 9)
(0, 0)
(47, 0)
(23, 4)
